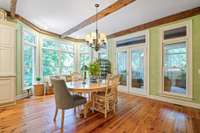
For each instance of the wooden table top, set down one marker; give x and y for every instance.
(79, 86)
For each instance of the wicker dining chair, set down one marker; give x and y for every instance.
(105, 102)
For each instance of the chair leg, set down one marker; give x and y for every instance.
(85, 111)
(116, 97)
(63, 119)
(114, 107)
(56, 112)
(93, 103)
(105, 111)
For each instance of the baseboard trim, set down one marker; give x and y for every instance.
(168, 100)
(7, 104)
(175, 101)
(21, 96)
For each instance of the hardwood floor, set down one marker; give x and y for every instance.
(133, 115)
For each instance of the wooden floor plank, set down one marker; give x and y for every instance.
(133, 115)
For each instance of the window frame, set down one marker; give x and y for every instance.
(59, 51)
(90, 52)
(34, 46)
(188, 41)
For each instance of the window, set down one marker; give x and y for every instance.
(175, 68)
(29, 47)
(131, 41)
(175, 33)
(103, 52)
(67, 62)
(57, 58)
(85, 55)
(177, 60)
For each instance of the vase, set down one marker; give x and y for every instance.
(93, 79)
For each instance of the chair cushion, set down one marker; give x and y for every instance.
(79, 100)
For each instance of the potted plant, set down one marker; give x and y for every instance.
(94, 70)
(38, 79)
(39, 87)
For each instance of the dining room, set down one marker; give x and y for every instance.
(99, 66)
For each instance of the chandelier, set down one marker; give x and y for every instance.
(96, 40)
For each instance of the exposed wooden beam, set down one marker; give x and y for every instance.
(105, 12)
(13, 8)
(165, 20)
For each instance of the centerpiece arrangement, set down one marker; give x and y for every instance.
(94, 71)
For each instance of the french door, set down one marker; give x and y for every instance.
(132, 68)
(122, 68)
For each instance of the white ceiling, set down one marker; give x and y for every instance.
(5, 4)
(139, 13)
(60, 15)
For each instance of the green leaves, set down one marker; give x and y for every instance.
(94, 68)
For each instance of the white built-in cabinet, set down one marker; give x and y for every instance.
(7, 63)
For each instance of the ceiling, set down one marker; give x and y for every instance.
(60, 16)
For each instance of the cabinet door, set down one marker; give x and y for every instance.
(7, 61)
(7, 36)
(7, 51)
(7, 90)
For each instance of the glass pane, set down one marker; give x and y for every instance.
(175, 63)
(67, 47)
(67, 63)
(85, 59)
(131, 41)
(174, 33)
(50, 62)
(121, 67)
(137, 69)
(28, 37)
(67, 70)
(50, 70)
(50, 44)
(85, 48)
(103, 55)
(28, 65)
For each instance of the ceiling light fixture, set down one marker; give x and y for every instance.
(96, 40)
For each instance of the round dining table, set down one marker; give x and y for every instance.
(82, 88)
(86, 87)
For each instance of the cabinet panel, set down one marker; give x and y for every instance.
(7, 36)
(7, 87)
(7, 61)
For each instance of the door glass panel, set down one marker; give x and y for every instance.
(122, 67)
(175, 65)
(137, 64)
